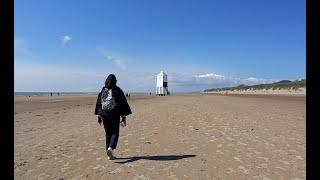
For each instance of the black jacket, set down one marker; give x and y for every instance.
(122, 107)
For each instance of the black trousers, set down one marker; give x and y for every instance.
(111, 123)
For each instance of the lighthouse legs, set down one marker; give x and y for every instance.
(162, 91)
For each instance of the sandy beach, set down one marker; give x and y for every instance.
(181, 136)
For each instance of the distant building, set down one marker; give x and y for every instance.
(162, 84)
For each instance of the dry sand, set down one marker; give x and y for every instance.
(189, 136)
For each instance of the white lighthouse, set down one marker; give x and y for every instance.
(162, 84)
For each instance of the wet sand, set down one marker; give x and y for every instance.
(182, 136)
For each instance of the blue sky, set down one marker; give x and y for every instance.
(74, 45)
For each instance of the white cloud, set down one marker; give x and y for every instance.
(109, 58)
(107, 55)
(120, 63)
(66, 39)
(254, 80)
(185, 82)
(210, 75)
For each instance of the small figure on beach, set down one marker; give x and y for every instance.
(110, 107)
(51, 94)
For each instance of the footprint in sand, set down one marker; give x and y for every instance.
(151, 168)
(264, 158)
(257, 152)
(243, 169)
(284, 162)
(140, 177)
(81, 159)
(116, 171)
(229, 138)
(230, 170)
(42, 176)
(278, 167)
(65, 168)
(293, 151)
(77, 177)
(299, 157)
(97, 167)
(67, 164)
(219, 151)
(237, 158)
(130, 165)
(277, 151)
(263, 165)
(241, 143)
(262, 177)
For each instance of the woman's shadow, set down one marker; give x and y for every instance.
(157, 158)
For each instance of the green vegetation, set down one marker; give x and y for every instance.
(284, 84)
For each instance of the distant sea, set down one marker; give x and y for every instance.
(48, 93)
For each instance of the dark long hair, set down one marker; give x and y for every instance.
(111, 81)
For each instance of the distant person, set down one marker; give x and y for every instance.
(51, 94)
(111, 105)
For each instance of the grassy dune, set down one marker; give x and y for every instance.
(284, 84)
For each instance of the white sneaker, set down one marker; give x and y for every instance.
(110, 154)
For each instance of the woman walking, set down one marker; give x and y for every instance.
(111, 105)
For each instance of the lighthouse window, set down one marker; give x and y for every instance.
(165, 84)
